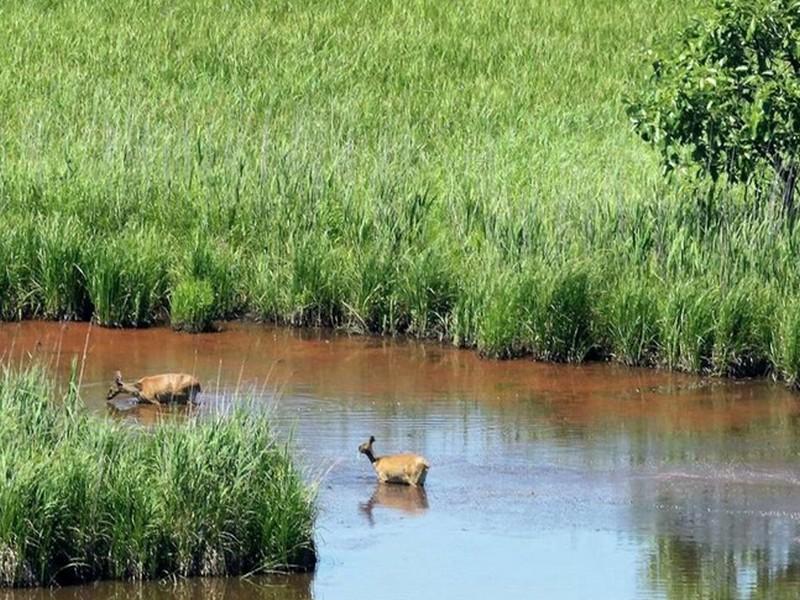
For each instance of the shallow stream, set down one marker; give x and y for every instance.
(547, 481)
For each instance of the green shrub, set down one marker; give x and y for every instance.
(725, 98)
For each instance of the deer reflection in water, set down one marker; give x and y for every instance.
(409, 500)
(131, 411)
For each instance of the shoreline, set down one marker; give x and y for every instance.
(220, 326)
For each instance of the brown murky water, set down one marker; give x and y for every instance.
(547, 481)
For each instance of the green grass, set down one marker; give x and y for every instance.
(127, 278)
(463, 171)
(86, 498)
(192, 306)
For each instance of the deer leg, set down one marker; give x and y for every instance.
(149, 400)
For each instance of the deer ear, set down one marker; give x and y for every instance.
(371, 439)
(118, 377)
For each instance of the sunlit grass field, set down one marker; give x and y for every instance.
(457, 170)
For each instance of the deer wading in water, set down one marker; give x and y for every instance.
(410, 469)
(169, 387)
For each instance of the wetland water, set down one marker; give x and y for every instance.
(547, 481)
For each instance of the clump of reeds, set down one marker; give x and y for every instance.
(85, 498)
(127, 278)
(192, 306)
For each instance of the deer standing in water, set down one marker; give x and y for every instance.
(169, 387)
(410, 469)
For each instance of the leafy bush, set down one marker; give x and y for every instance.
(726, 97)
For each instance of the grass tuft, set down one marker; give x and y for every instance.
(786, 348)
(631, 321)
(567, 333)
(687, 326)
(192, 306)
(58, 279)
(743, 330)
(127, 280)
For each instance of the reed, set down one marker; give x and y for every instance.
(192, 306)
(786, 349)
(87, 498)
(58, 282)
(630, 319)
(127, 278)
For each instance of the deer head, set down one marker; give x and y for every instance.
(119, 387)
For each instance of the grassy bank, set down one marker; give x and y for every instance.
(84, 498)
(456, 170)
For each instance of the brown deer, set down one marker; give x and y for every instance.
(410, 469)
(169, 387)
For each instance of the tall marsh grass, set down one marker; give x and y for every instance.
(192, 306)
(85, 498)
(457, 170)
